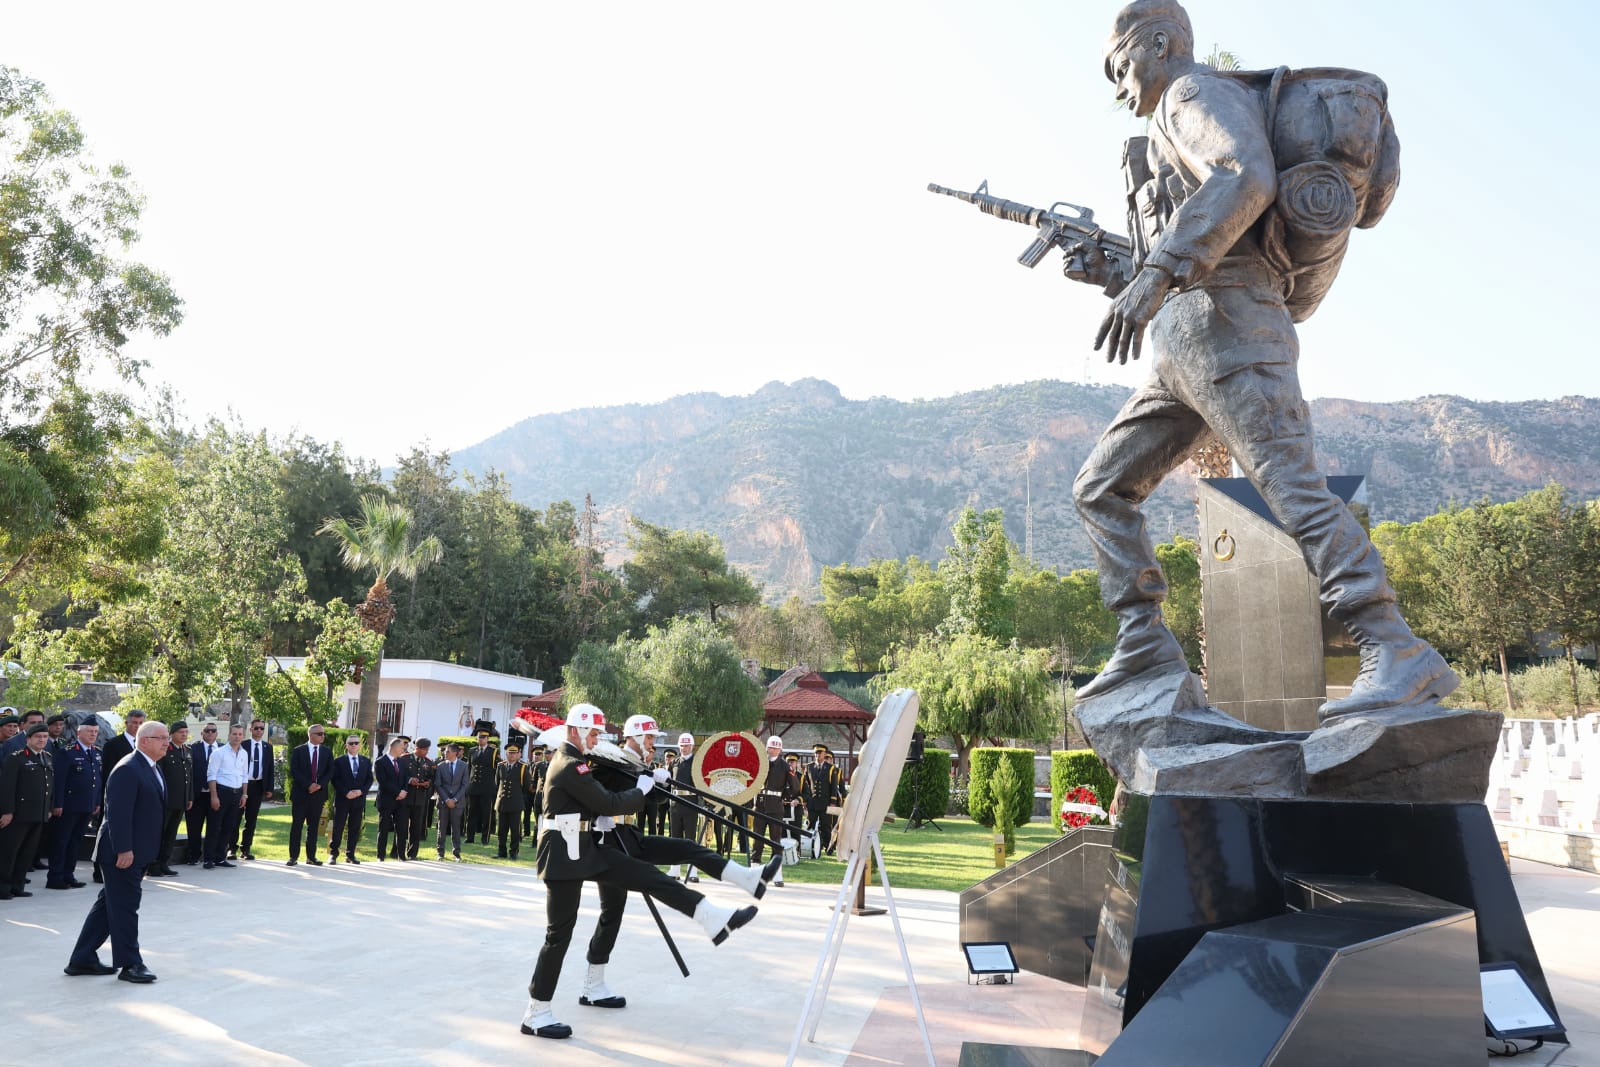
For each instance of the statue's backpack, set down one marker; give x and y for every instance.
(1338, 167)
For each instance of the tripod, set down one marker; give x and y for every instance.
(915, 821)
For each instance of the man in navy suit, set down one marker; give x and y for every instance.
(130, 838)
(352, 777)
(450, 782)
(198, 818)
(392, 771)
(310, 769)
(77, 800)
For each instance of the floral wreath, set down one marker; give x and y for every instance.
(1072, 815)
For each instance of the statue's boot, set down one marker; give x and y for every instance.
(1144, 646)
(1398, 668)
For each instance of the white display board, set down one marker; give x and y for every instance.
(877, 773)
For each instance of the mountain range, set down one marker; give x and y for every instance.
(795, 476)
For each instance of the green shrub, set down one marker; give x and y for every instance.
(467, 745)
(982, 798)
(1002, 785)
(925, 786)
(1075, 767)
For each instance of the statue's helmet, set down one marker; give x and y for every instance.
(1140, 15)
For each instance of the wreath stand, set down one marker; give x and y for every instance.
(853, 888)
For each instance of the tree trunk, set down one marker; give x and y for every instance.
(1505, 678)
(367, 710)
(1572, 670)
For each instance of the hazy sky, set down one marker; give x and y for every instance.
(396, 222)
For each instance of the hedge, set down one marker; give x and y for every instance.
(981, 800)
(924, 786)
(467, 745)
(1070, 769)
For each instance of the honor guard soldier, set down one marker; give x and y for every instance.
(77, 801)
(419, 795)
(822, 792)
(780, 788)
(569, 855)
(480, 788)
(511, 785)
(27, 788)
(682, 820)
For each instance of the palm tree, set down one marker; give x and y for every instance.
(380, 541)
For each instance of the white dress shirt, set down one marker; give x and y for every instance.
(252, 747)
(229, 768)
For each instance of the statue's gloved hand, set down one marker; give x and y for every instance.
(1086, 262)
(1131, 311)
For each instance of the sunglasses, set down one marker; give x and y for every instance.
(352, 744)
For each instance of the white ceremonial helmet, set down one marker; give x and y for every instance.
(774, 741)
(586, 717)
(685, 739)
(638, 725)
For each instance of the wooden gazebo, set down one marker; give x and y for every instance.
(812, 703)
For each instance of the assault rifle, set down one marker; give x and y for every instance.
(1093, 255)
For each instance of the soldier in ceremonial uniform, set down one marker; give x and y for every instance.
(27, 787)
(541, 768)
(419, 795)
(822, 791)
(177, 770)
(777, 791)
(77, 801)
(683, 821)
(480, 789)
(512, 781)
(569, 855)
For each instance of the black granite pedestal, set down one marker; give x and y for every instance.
(1184, 867)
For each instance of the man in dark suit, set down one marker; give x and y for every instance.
(352, 777)
(177, 767)
(77, 800)
(310, 770)
(130, 837)
(392, 771)
(199, 814)
(450, 781)
(111, 754)
(257, 787)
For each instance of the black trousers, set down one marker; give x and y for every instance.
(480, 814)
(623, 873)
(224, 823)
(421, 817)
(169, 838)
(822, 826)
(347, 816)
(510, 821)
(70, 827)
(305, 813)
(396, 820)
(198, 819)
(114, 914)
(19, 843)
(253, 792)
(767, 820)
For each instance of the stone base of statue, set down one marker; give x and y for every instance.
(1297, 898)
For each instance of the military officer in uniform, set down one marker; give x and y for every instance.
(177, 769)
(27, 787)
(511, 785)
(77, 801)
(419, 794)
(541, 767)
(821, 790)
(480, 789)
(569, 855)
(776, 792)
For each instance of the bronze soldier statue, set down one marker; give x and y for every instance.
(1225, 262)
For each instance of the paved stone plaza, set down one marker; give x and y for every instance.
(428, 963)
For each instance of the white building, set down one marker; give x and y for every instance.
(426, 698)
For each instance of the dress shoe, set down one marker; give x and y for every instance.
(57, 885)
(381, 858)
(21, 893)
(94, 966)
(249, 855)
(6, 894)
(314, 861)
(292, 863)
(75, 884)
(226, 863)
(441, 855)
(352, 859)
(209, 865)
(138, 973)
(99, 879)
(457, 855)
(40, 865)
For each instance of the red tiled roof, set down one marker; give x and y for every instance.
(550, 701)
(812, 701)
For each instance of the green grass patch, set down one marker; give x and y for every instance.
(951, 858)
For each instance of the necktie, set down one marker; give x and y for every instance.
(255, 760)
(313, 763)
(160, 781)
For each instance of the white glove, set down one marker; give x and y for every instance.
(661, 775)
(604, 823)
(645, 783)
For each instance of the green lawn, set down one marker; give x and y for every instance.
(954, 857)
